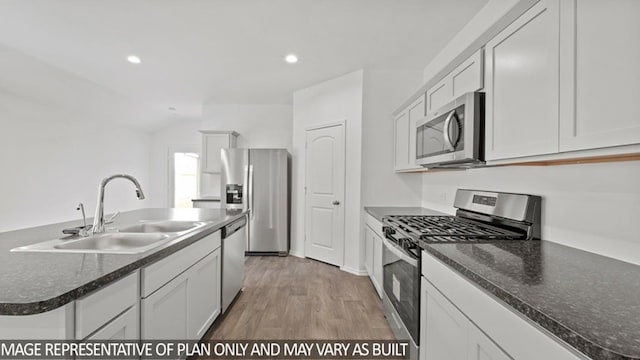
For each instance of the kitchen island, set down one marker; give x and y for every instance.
(38, 283)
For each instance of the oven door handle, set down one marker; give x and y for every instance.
(397, 251)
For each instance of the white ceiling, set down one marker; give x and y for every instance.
(227, 51)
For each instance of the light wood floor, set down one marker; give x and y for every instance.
(294, 298)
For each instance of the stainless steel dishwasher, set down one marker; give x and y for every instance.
(234, 241)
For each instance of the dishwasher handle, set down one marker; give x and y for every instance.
(233, 227)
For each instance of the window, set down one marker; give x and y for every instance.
(185, 179)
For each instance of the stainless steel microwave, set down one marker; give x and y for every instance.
(452, 136)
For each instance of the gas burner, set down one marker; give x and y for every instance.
(481, 216)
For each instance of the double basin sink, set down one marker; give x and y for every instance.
(133, 239)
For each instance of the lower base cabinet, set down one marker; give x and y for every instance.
(373, 252)
(185, 307)
(204, 294)
(446, 333)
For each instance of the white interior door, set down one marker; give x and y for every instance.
(324, 205)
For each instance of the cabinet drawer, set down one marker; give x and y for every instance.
(98, 308)
(125, 327)
(161, 272)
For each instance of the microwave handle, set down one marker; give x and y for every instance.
(445, 130)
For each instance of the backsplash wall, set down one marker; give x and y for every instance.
(594, 207)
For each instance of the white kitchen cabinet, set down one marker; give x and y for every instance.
(212, 143)
(100, 307)
(377, 262)
(368, 250)
(601, 79)
(125, 326)
(439, 94)
(204, 294)
(405, 135)
(522, 91)
(446, 333)
(466, 77)
(373, 251)
(481, 347)
(164, 313)
(444, 327)
(373, 258)
(185, 307)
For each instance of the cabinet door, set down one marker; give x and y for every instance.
(368, 250)
(125, 327)
(481, 347)
(439, 94)
(401, 125)
(605, 61)
(522, 85)
(444, 327)
(164, 313)
(377, 262)
(204, 294)
(416, 111)
(405, 135)
(211, 145)
(468, 76)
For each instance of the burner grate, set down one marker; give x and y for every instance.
(449, 229)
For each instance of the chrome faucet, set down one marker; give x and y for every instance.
(98, 219)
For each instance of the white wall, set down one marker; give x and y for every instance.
(339, 99)
(593, 207)
(260, 126)
(384, 91)
(51, 161)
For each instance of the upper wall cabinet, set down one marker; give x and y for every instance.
(602, 77)
(564, 77)
(522, 93)
(405, 135)
(212, 142)
(467, 77)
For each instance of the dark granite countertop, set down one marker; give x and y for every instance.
(35, 282)
(379, 212)
(590, 301)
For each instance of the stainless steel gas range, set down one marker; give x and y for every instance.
(481, 216)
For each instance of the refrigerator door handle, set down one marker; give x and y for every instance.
(250, 194)
(245, 202)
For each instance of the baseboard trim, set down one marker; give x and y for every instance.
(359, 272)
(296, 254)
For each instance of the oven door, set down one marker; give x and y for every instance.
(401, 282)
(451, 135)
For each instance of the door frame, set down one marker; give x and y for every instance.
(342, 123)
(171, 170)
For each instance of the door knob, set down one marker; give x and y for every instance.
(336, 202)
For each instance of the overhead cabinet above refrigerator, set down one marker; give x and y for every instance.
(257, 180)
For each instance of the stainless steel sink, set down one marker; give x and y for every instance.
(105, 243)
(165, 226)
(133, 239)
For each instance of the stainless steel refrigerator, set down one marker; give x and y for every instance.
(258, 180)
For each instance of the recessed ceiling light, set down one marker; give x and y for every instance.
(291, 58)
(133, 59)
(171, 108)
